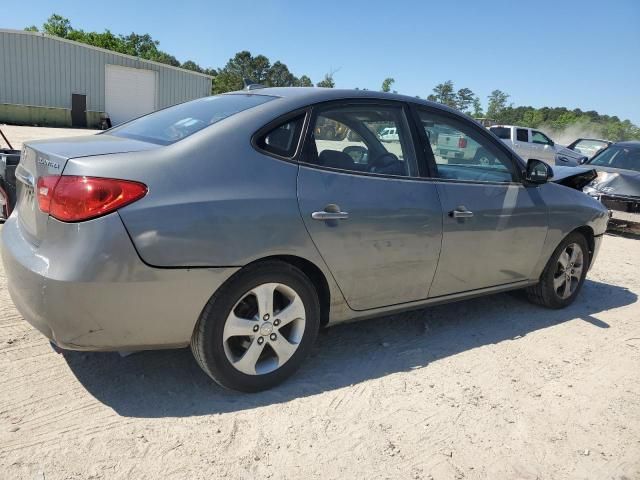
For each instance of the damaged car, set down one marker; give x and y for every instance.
(226, 225)
(617, 184)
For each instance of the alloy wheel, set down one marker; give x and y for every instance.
(484, 161)
(568, 271)
(264, 329)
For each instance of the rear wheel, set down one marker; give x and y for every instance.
(257, 329)
(563, 275)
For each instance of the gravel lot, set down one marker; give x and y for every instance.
(491, 388)
(18, 134)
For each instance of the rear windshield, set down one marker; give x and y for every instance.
(175, 123)
(618, 156)
(501, 132)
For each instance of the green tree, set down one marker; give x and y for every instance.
(387, 83)
(497, 104)
(278, 75)
(57, 25)
(32, 28)
(191, 65)
(139, 45)
(444, 93)
(327, 81)
(142, 46)
(477, 108)
(464, 100)
(304, 81)
(164, 57)
(242, 66)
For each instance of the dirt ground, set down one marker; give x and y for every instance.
(491, 388)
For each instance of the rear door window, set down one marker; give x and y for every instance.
(522, 135)
(370, 139)
(173, 124)
(282, 140)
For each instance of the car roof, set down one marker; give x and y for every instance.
(629, 143)
(310, 95)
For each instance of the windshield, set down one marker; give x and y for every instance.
(167, 126)
(618, 156)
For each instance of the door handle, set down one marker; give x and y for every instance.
(330, 212)
(461, 212)
(329, 215)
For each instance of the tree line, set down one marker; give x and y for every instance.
(259, 69)
(555, 119)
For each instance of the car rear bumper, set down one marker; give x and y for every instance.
(85, 288)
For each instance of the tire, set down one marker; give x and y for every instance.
(551, 291)
(482, 157)
(237, 326)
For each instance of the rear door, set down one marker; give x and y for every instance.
(376, 223)
(522, 142)
(493, 226)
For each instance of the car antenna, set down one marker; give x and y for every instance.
(249, 85)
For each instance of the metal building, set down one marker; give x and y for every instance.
(46, 80)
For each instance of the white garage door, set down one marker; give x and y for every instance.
(129, 92)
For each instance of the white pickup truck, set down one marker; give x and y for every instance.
(531, 143)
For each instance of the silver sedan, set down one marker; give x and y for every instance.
(241, 224)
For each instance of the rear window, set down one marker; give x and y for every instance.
(172, 124)
(501, 132)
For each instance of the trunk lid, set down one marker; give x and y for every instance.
(48, 158)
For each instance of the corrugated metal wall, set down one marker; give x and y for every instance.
(44, 71)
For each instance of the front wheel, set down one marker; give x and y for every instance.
(482, 157)
(258, 328)
(563, 275)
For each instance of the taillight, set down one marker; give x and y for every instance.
(462, 142)
(45, 191)
(74, 199)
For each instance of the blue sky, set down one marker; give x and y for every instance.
(582, 54)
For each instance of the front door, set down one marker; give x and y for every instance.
(493, 226)
(376, 224)
(542, 147)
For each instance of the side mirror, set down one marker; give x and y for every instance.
(537, 172)
(583, 160)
